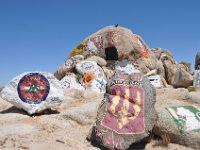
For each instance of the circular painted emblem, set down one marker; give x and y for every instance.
(33, 88)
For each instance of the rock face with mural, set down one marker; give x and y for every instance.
(127, 114)
(116, 44)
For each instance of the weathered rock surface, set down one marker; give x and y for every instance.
(183, 79)
(127, 114)
(177, 76)
(1, 88)
(194, 96)
(100, 61)
(197, 61)
(160, 69)
(196, 81)
(33, 92)
(81, 106)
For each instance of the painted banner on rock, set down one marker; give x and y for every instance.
(125, 110)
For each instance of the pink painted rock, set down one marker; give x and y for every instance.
(127, 114)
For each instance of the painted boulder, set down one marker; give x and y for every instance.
(68, 66)
(127, 114)
(180, 122)
(98, 85)
(93, 76)
(86, 66)
(33, 92)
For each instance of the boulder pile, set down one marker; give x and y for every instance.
(109, 83)
(125, 116)
(112, 44)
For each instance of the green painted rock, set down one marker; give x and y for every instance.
(181, 123)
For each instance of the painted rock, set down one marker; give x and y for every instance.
(68, 66)
(33, 92)
(180, 122)
(127, 114)
(196, 81)
(70, 82)
(155, 81)
(86, 66)
(98, 85)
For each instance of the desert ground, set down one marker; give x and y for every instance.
(53, 129)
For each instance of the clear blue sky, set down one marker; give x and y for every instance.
(39, 34)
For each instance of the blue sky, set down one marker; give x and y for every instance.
(39, 34)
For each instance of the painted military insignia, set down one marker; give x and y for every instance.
(33, 88)
(125, 110)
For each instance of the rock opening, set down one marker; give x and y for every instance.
(111, 53)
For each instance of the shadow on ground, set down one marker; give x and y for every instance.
(14, 109)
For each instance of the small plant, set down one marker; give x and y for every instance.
(191, 89)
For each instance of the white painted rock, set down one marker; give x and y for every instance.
(98, 85)
(86, 66)
(33, 92)
(196, 81)
(155, 81)
(70, 81)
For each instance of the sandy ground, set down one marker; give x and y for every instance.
(49, 131)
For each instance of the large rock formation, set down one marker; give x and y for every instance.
(112, 44)
(177, 75)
